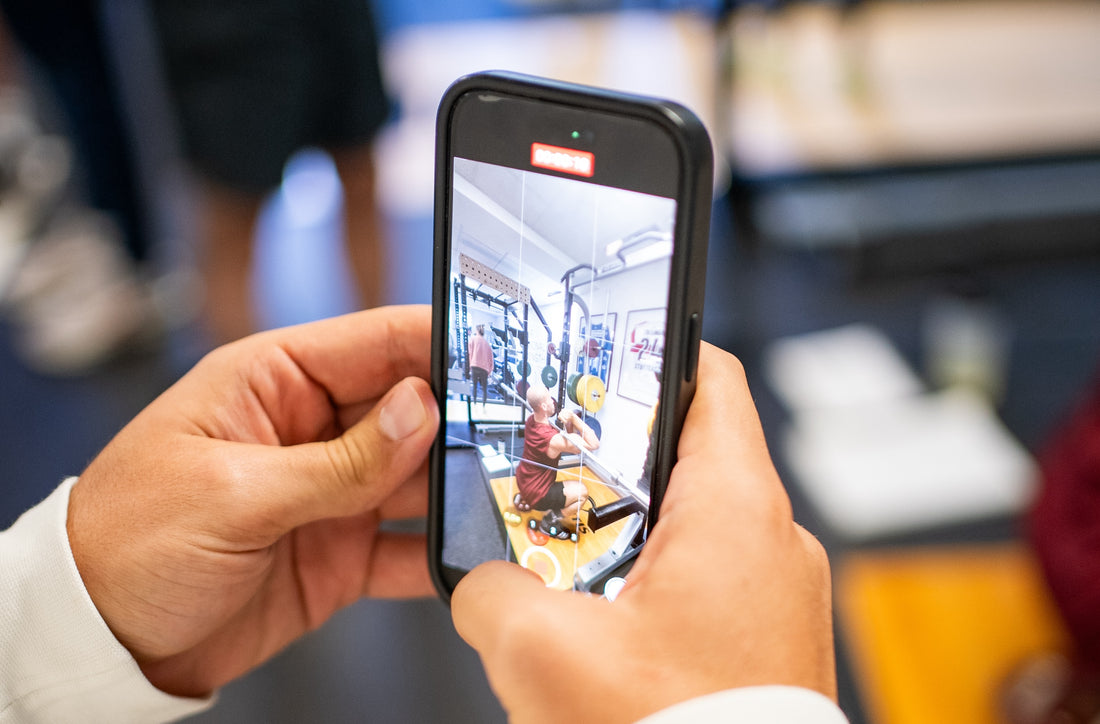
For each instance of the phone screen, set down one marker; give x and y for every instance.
(561, 239)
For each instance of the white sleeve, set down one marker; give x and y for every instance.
(771, 704)
(60, 662)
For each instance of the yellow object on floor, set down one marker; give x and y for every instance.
(933, 632)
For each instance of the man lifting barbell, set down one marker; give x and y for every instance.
(537, 472)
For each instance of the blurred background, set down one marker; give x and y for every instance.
(905, 253)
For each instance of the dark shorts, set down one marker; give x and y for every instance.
(554, 498)
(254, 81)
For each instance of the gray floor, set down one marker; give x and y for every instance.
(477, 536)
(374, 662)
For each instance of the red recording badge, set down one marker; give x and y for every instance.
(566, 160)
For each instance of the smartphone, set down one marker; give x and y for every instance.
(571, 228)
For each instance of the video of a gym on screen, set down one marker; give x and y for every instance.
(557, 311)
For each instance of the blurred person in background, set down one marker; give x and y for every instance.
(75, 223)
(253, 82)
(1064, 529)
(481, 363)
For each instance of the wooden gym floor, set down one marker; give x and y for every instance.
(558, 560)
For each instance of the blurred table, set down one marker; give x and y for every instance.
(827, 86)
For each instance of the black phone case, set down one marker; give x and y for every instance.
(686, 284)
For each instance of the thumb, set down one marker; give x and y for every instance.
(359, 469)
(488, 595)
(521, 631)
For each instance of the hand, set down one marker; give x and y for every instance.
(727, 592)
(242, 507)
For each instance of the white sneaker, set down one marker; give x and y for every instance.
(75, 301)
(34, 170)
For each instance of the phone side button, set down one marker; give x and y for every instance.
(691, 360)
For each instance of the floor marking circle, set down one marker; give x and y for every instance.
(525, 559)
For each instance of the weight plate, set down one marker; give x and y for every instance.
(549, 376)
(591, 393)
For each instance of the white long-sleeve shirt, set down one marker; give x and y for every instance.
(60, 663)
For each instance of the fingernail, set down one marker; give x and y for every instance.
(402, 412)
